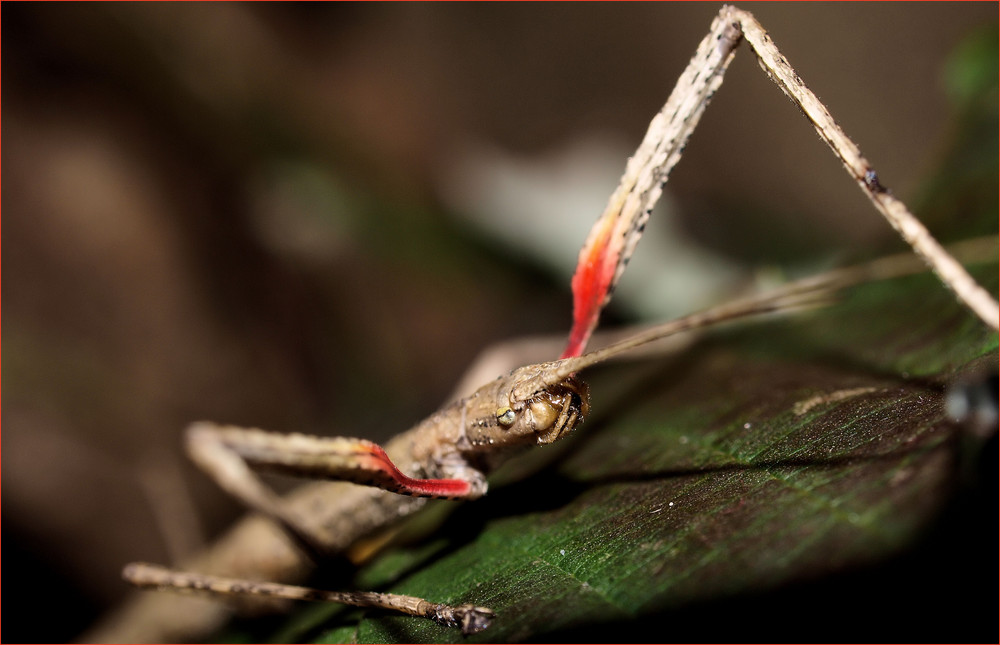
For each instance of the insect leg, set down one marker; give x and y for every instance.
(230, 455)
(469, 618)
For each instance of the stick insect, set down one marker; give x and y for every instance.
(450, 454)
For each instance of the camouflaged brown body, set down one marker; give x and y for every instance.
(463, 440)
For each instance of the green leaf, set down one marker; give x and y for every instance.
(767, 455)
(796, 479)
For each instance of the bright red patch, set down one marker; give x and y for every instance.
(591, 282)
(421, 487)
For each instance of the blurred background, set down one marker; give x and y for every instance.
(313, 217)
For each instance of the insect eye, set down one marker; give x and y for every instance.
(505, 416)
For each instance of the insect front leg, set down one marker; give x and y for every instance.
(469, 618)
(320, 525)
(231, 454)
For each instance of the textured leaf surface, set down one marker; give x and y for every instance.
(790, 480)
(765, 455)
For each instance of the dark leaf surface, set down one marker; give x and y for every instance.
(781, 453)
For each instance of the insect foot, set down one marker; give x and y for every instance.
(469, 618)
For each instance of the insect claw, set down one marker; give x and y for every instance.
(472, 619)
(469, 618)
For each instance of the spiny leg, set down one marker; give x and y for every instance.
(230, 454)
(469, 618)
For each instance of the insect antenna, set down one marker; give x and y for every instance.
(806, 293)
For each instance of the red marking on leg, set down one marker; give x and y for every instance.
(448, 488)
(591, 283)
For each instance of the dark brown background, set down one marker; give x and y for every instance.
(242, 213)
